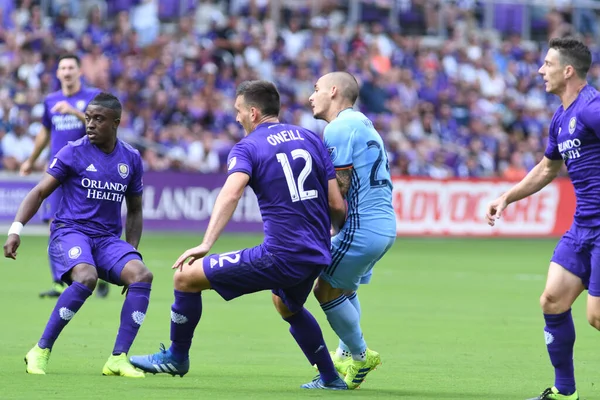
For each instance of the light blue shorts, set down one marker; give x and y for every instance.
(353, 256)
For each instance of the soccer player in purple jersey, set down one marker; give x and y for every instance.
(574, 139)
(290, 171)
(63, 121)
(96, 173)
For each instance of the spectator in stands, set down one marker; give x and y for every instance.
(474, 93)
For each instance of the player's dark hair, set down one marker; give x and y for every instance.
(262, 95)
(108, 100)
(574, 53)
(69, 57)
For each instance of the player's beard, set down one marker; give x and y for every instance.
(247, 127)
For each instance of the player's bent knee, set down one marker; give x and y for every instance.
(145, 276)
(594, 321)
(85, 274)
(191, 278)
(562, 289)
(180, 280)
(324, 292)
(593, 311)
(553, 304)
(135, 271)
(280, 306)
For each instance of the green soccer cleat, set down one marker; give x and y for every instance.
(553, 394)
(120, 366)
(358, 370)
(37, 360)
(341, 363)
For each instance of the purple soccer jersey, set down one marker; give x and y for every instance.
(289, 169)
(65, 128)
(575, 137)
(94, 186)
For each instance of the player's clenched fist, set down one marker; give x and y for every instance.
(10, 247)
(495, 209)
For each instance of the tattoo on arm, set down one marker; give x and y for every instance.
(344, 177)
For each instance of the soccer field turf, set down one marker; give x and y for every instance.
(452, 319)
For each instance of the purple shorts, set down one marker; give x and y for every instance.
(578, 251)
(50, 205)
(109, 254)
(241, 272)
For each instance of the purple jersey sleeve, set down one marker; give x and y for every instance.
(329, 167)
(240, 159)
(590, 116)
(552, 151)
(46, 118)
(136, 187)
(61, 165)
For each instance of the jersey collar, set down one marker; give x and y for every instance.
(344, 110)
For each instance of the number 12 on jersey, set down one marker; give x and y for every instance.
(296, 186)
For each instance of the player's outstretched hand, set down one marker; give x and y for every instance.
(495, 210)
(62, 107)
(193, 254)
(10, 247)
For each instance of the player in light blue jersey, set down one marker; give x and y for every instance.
(362, 171)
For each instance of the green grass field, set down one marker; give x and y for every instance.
(452, 319)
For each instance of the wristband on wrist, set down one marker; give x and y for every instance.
(15, 228)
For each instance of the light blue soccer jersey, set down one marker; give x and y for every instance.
(354, 143)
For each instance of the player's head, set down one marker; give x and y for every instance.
(567, 60)
(256, 102)
(102, 118)
(68, 72)
(333, 93)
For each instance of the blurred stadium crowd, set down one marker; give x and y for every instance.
(450, 96)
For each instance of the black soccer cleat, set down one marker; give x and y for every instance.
(552, 393)
(56, 291)
(102, 289)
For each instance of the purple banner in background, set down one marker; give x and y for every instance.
(172, 201)
(12, 191)
(184, 201)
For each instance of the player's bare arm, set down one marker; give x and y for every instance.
(135, 221)
(41, 141)
(225, 205)
(29, 206)
(540, 176)
(344, 178)
(337, 206)
(33, 201)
